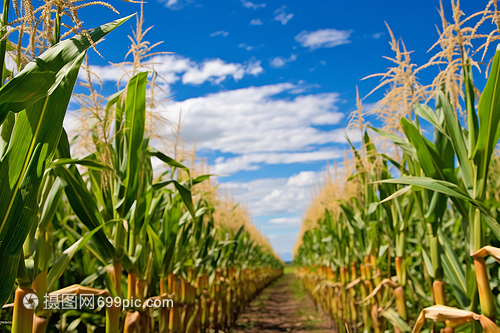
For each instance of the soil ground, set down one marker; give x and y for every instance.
(283, 306)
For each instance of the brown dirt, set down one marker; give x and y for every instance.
(283, 306)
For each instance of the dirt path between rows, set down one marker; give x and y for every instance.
(283, 306)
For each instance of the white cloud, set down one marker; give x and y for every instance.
(276, 196)
(277, 203)
(281, 62)
(286, 220)
(277, 62)
(323, 38)
(176, 4)
(378, 35)
(257, 21)
(175, 67)
(245, 46)
(251, 161)
(217, 33)
(248, 4)
(252, 120)
(322, 62)
(215, 70)
(282, 16)
(254, 68)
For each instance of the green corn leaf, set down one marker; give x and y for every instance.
(393, 317)
(428, 156)
(490, 221)
(470, 277)
(441, 186)
(86, 162)
(103, 194)
(90, 246)
(400, 142)
(51, 204)
(23, 212)
(455, 193)
(370, 147)
(425, 111)
(94, 276)
(472, 121)
(43, 75)
(158, 247)
(62, 261)
(113, 99)
(453, 270)
(164, 158)
(40, 124)
(457, 139)
(135, 117)
(424, 299)
(10, 264)
(63, 148)
(202, 178)
(85, 208)
(428, 263)
(6, 132)
(489, 125)
(183, 191)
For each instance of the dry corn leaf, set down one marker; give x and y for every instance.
(325, 283)
(352, 284)
(77, 289)
(453, 317)
(488, 250)
(385, 282)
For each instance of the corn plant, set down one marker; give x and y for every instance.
(440, 249)
(44, 84)
(127, 233)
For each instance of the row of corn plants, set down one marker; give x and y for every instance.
(103, 225)
(405, 236)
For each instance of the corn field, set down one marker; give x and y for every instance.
(103, 225)
(404, 235)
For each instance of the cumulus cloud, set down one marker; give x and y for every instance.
(281, 62)
(248, 4)
(278, 204)
(217, 33)
(277, 62)
(252, 161)
(286, 220)
(174, 68)
(276, 196)
(257, 21)
(253, 120)
(176, 4)
(282, 16)
(323, 38)
(253, 68)
(377, 35)
(217, 70)
(245, 46)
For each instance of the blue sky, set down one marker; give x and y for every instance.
(266, 87)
